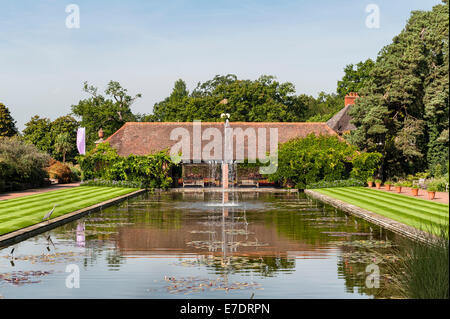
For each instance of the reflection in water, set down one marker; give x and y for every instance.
(275, 245)
(80, 234)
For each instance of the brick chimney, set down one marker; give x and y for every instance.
(350, 98)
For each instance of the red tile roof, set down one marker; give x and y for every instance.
(142, 138)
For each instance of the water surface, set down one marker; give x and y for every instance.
(175, 245)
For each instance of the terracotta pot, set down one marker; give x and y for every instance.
(398, 189)
(378, 185)
(388, 187)
(370, 184)
(414, 191)
(431, 195)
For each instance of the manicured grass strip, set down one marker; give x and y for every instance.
(410, 216)
(399, 209)
(23, 210)
(68, 201)
(407, 213)
(40, 197)
(417, 201)
(438, 212)
(49, 200)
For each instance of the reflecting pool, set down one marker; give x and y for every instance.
(185, 245)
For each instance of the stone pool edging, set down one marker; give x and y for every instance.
(36, 229)
(385, 222)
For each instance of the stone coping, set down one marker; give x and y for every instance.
(385, 222)
(33, 230)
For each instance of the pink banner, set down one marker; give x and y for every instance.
(81, 140)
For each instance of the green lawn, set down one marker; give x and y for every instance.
(419, 213)
(25, 211)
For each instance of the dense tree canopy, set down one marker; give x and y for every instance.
(7, 123)
(43, 133)
(108, 112)
(354, 80)
(264, 99)
(404, 109)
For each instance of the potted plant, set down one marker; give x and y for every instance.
(388, 185)
(415, 190)
(378, 183)
(398, 187)
(432, 189)
(370, 181)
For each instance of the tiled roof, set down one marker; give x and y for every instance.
(142, 138)
(340, 122)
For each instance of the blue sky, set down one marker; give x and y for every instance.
(148, 45)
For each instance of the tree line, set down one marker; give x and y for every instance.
(402, 112)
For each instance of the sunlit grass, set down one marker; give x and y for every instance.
(419, 213)
(25, 211)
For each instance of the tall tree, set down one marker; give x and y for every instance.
(404, 109)
(65, 125)
(355, 79)
(264, 99)
(63, 145)
(38, 132)
(108, 112)
(7, 123)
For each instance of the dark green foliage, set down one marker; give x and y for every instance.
(152, 171)
(7, 123)
(323, 107)
(262, 100)
(403, 110)
(355, 79)
(108, 112)
(365, 165)
(68, 126)
(21, 164)
(313, 159)
(46, 136)
(38, 132)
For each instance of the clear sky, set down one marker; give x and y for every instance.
(148, 45)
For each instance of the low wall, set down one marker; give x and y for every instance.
(33, 230)
(385, 222)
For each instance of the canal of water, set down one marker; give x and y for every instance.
(185, 245)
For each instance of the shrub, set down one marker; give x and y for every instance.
(388, 182)
(439, 184)
(378, 181)
(59, 171)
(308, 160)
(21, 164)
(365, 165)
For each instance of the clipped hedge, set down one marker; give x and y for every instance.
(339, 183)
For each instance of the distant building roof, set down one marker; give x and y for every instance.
(142, 138)
(340, 122)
